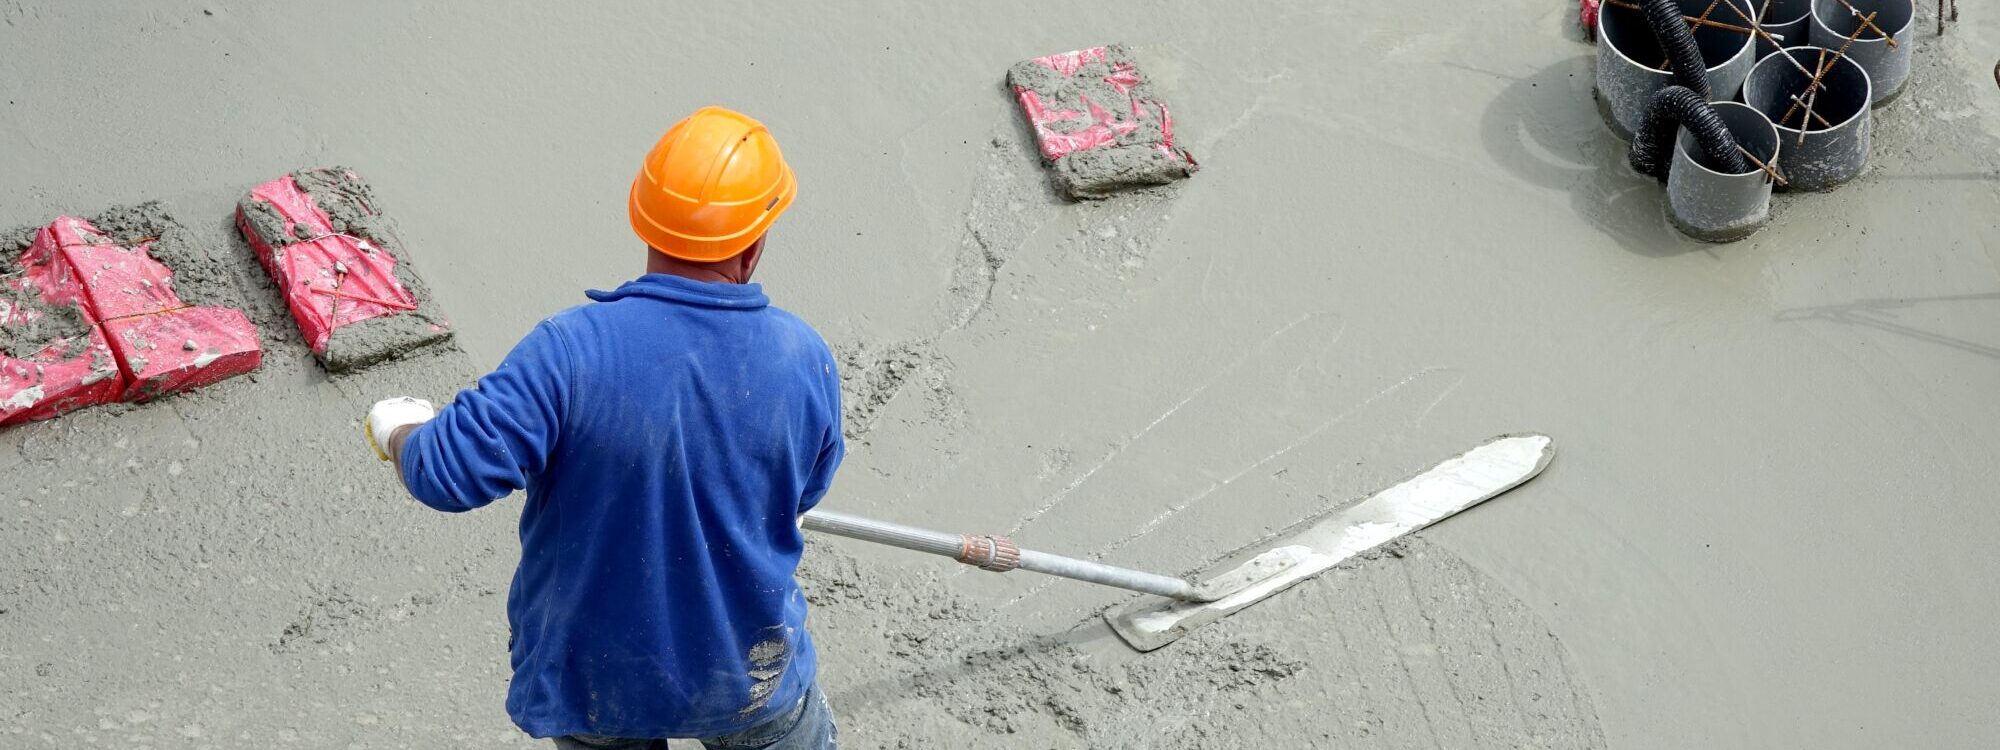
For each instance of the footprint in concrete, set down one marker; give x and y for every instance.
(331, 611)
(335, 614)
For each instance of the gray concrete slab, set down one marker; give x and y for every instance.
(1412, 231)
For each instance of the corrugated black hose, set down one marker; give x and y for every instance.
(1674, 107)
(1683, 54)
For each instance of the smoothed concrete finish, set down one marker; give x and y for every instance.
(1768, 526)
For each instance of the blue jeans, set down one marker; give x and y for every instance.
(806, 727)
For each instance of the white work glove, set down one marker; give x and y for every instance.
(390, 415)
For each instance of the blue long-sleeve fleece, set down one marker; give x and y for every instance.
(669, 436)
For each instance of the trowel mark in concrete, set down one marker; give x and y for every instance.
(1055, 500)
(1316, 431)
(961, 676)
(1005, 209)
(1003, 212)
(1008, 205)
(1117, 234)
(1218, 485)
(1415, 649)
(1439, 656)
(1010, 202)
(334, 614)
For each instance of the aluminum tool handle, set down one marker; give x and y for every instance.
(995, 553)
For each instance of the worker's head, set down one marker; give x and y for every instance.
(708, 192)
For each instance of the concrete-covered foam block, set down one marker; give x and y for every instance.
(1097, 122)
(89, 316)
(345, 276)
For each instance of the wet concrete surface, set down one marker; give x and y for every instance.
(1412, 231)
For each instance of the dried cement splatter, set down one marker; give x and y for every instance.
(769, 659)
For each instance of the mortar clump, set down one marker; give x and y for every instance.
(34, 327)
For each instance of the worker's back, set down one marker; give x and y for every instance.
(682, 427)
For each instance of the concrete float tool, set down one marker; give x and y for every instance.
(1258, 572)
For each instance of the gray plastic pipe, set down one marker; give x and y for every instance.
(1707, 200)
(1888, 67)
(1625, 85)
(1788, 20)
(1826, 154)
(996, 553)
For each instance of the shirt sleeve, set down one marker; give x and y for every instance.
(833, 448)
(830, 457)
(496, 434)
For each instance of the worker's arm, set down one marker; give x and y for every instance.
(830, 456)
(395, 445)
(833, 448)
(493, 436)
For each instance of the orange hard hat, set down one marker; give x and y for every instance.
(711, 187)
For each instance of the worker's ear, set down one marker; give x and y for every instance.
(750, 257)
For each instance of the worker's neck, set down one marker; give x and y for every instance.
(732, 271)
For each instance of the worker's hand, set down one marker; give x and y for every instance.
(390, 415)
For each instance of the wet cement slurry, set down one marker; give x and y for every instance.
(1765, 526)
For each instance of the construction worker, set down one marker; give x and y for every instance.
(670, 437)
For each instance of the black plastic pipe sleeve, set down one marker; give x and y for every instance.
(1674, 107)
(1683, 54)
